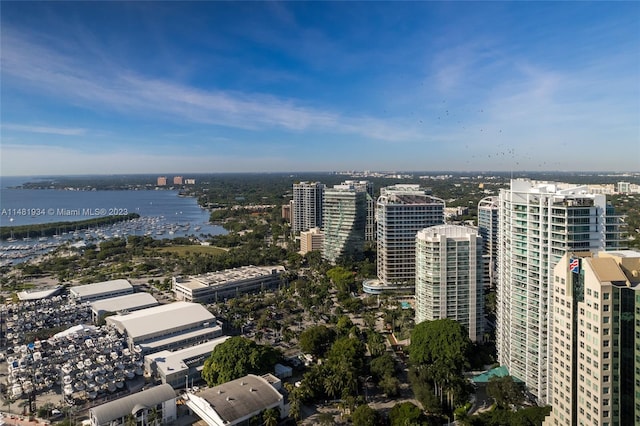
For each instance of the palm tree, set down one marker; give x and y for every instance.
(270, 417)
(130, 420)
(152, 418)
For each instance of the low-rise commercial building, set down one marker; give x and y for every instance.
(101, 290)
(173, 326)
(237, 401)
(175, 368)
(222, 285)
(152, 406)
(121, 304)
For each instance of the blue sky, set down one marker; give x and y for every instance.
(142, 87)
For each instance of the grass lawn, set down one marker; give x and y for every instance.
(182, 250)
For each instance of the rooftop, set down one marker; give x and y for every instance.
(122, 407)
(227, 276)
(169, 362)
(241, 397)
(159, 318)
(122, 303)
(100, 288)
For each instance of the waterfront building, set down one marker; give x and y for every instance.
(311, 240)
(488, 209)
(229, 283)
(161, 181)
(237, 401)
(449, 277)
(173, 326)
(127, 303)
(177, 367)
(595, 339)
(306, 207)
(344, 222)
(538, 223)
(177, 180)
(152, 406)
(101, 290)
(401, 211)
(189, 181)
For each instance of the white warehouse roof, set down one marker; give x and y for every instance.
(161, 320)
(132, 301)
(90, 290)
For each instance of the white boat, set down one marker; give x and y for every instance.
(68, 389)
(16, 390)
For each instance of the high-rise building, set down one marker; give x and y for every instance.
(161, 181)
(402, 211)
(344, 222)
(449, 277)
(595, 339)
(177, 180)
(488, 229)
(306, 210)
(539, 223)
(367, 187)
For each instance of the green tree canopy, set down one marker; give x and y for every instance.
(505, 391)
(405, 413)
(316, 340)
(238, 357)
(442, 340)
(364, 415)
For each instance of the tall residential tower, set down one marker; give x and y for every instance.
(595, 340)
(344, 222)
(449, 277)
(488, 229)
(539, 223)
(401, 211)
(306, 208)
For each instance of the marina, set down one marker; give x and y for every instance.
(81, 363)
(160, 227)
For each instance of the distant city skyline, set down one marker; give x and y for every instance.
(205, 87)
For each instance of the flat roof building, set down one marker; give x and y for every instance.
(343, 222)
(158, 402)
(402, 211)
(237, 401)
(306, 211)
(173, 326)
(175, 368)
(538, 223)
(101, 290)
(127, 303)
(595, 339)
(221, 285)
(449, 277)
(311, 240)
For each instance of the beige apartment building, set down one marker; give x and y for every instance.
(595, 339)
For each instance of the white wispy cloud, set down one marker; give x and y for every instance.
(63, 131)
(123, 90)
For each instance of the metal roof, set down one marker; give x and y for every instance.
(94, 289)
(239, 398)
(169, 362)
(164, 318)
(122, 407)
(133, 301)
